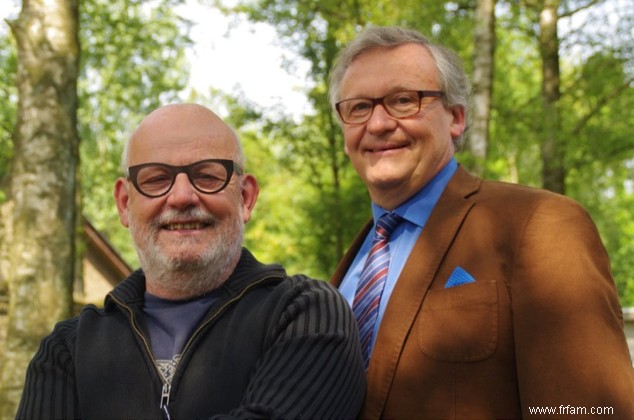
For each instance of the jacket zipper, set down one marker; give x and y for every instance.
(165, 400)
(166, 389)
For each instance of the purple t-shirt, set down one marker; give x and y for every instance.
(170, 323)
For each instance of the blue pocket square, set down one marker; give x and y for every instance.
(459, 277)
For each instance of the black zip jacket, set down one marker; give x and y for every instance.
(272, 346)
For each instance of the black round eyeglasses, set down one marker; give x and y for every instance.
(207, 176)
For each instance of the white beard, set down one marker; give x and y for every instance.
(187, 274)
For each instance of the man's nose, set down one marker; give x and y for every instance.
(183, 193)
(380, 120)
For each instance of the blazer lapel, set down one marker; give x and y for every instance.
(412, 285)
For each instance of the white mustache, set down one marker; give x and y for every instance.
(189, 216)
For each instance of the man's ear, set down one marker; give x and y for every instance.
(459, 122)
(121, 198)
(250, 192)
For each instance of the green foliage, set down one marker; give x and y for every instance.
(601, 156)
(8, 104)
(515, 127)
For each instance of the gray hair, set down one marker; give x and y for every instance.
(453, 79)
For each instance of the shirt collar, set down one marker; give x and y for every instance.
(417, 209)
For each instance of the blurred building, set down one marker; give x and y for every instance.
(102, 269)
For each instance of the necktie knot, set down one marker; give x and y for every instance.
(386, 224)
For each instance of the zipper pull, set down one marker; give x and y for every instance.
(165, 400)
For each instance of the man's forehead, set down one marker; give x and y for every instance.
(180, 133)
(180, 148)
(208, 146)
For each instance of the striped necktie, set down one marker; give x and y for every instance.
(372, 280)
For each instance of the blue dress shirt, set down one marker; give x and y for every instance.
(415, 213)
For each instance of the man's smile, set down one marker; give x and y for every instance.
(185, 226)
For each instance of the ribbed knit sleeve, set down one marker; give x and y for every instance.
(49, 390)
(312, 367)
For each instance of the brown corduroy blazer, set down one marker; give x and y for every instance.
(540, 328)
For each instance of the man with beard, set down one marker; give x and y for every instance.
(203, 329)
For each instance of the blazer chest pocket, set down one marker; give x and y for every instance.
(460, 324)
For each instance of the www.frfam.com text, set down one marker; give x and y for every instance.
(572, 410)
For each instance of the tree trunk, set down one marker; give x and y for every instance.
(483, 60)
(553, 169)
(40, 253)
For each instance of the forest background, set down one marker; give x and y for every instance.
(553, 107)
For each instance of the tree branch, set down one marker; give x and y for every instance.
(600, 104)
(580, 8)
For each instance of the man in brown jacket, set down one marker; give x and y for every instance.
(481, 299)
